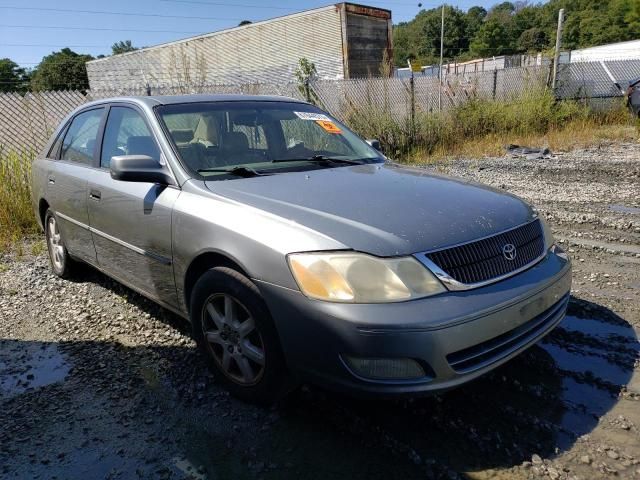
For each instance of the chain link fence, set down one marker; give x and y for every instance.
(26, 122)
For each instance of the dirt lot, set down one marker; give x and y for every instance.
(97, 382)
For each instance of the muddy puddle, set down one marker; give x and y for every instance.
(624, 209)
(597, 360)
(26, 366)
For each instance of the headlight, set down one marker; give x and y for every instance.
(358, 278)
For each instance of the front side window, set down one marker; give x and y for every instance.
(212, 138)
(126, 133)
(80, 140)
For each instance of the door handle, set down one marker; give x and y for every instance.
(95, 194)
(52, 179)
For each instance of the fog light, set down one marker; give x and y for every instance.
(385, 368)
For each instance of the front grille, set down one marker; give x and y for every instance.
(490, 351)
(484, 259)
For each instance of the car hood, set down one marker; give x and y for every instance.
(382, 209)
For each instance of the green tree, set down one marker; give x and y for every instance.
(591, 22)
(493, 38)
(245, 22)
(13, 78)
(504, 8)
(305, 73)
(403, 46)
(420, 38)
(474, 18)
(63, 70)
(532, 40)
(513, 27)
(633, 20)
(123, 46)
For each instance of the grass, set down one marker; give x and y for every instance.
(16, 213)
(482, 127)
(573, 135)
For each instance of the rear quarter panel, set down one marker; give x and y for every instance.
(39, 170)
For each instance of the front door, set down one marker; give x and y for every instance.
(131, 221)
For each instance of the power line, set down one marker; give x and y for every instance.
(99, 29)
(50, 46)
(221, 4)
(100, 12)
(270, 7)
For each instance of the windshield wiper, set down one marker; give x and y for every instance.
(239, 171)
(318, 158)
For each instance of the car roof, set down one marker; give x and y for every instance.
(154, 100)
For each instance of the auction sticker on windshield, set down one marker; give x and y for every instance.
(312, 116)
(329, 126)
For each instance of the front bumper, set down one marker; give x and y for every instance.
(456, 336)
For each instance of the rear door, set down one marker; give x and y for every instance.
(131, 221)
(67, 181)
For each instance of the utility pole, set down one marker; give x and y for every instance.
(412, 91)
(441, 60)
(556, 57)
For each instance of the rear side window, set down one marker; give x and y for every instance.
(79, 143)
(126, 133)
(54, 152)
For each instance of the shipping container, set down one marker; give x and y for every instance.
(343, 40)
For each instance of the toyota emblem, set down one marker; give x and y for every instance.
(509, 251)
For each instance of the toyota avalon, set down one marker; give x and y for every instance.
(297, 251)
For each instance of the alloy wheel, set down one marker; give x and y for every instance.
(232, 339)
(56, 248)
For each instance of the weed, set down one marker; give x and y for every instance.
(16, 213)
(482, 126)
(38, 247)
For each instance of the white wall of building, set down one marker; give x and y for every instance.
(612, 51)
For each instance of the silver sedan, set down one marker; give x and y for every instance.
(297, 250)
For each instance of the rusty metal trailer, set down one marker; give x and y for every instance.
(343, 40)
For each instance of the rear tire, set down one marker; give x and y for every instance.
(234, 330)
(61, 263)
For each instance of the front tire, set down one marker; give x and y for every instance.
(234, 330)
(61, 263)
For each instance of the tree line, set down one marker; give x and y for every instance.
(505, 29)
(514, 28)
(62, 70)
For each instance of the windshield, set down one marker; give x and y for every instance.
(218, 140)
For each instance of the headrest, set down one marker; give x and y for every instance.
(182, 135)
(91, 145)
(206, 131)
(235, 141)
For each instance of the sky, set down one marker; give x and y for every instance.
(31, 29)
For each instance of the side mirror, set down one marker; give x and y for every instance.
(374, 143)
(139, 168)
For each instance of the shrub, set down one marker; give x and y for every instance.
(16, 213)
(534, 112)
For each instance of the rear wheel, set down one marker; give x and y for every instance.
(234, 329)
(61, 263)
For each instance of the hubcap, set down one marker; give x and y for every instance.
(55, 243)
(232, 339)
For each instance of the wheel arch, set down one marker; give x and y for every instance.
(205, 261)
(43, 206)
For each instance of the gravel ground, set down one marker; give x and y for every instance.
(98, 382)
